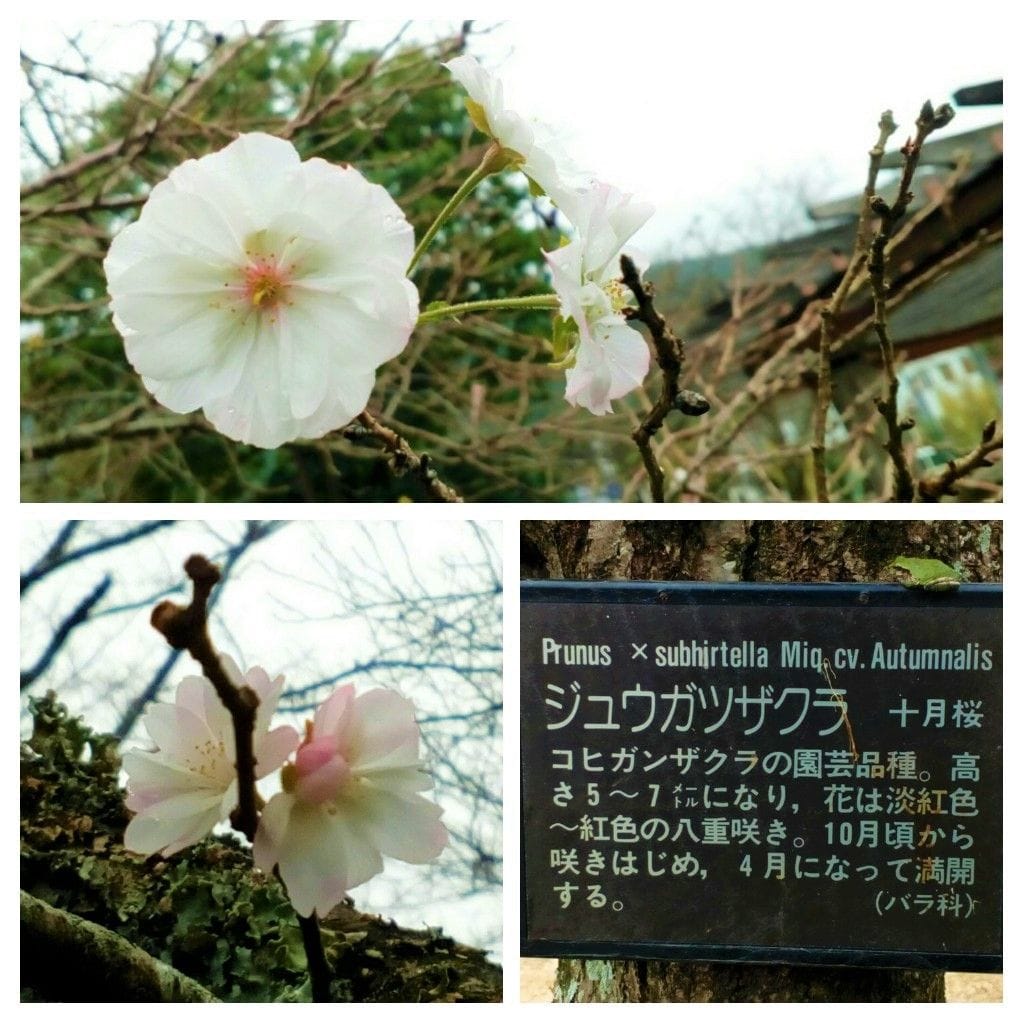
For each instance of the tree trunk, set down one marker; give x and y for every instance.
(742, 551)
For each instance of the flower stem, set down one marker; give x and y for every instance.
(483, 305)
(492, 162)
(316, 961)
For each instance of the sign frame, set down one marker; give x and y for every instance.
(675, 593)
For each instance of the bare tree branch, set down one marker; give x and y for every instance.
(79, 615)
(57, 556)
(669, 351)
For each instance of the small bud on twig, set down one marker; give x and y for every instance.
(691, 403)
(944, 115)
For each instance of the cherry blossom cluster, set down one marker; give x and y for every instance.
(603, 356)
(350, 794)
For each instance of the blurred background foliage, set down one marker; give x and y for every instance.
(475, 395)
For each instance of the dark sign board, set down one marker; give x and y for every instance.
(772, 774)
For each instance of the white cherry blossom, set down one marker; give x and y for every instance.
(188, 784)
(529, 144)
(609, 359)
(264, 290)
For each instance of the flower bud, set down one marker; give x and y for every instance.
(320, 771)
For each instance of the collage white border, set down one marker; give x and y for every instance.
(807, 22)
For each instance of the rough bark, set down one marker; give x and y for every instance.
(205, 913)
(95, 959)
(796, 551)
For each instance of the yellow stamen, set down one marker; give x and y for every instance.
(264, 293)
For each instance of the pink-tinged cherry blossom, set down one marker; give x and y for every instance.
(264, 290)
(188, 784)
(351, 795)
(608, 358)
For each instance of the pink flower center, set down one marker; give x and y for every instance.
(321, 771)
(266, 283)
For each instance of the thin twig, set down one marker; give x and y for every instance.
(669, 353)
(401, 457)
(830, 676)
(934, 487)
(186, 629)
(928, 121)
(71, 169)
(830, 313)
(77, 617)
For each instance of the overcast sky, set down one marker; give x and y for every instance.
(701, 113)
(708, 111)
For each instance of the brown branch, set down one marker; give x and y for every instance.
(669, 353)
(142, 135)
(965, 252)
(928, 121)
(830, 677)
(186, 629)
(28, 214)
(401, 457)
(112, 967)
(934, 487)
(128, 423)
(830, 313)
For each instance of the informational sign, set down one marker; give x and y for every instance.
(789, 773)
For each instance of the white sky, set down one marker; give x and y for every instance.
(706, 110)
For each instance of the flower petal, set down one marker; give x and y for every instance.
(384, 733)
(152, 779)
(611, 365)
(320, 857)
(406, 780)
(274, 749)
(405, 827)
(177, 732)
(269, 692)
(334, 716)
(262, 169)
(256, 410)
(339, 407)
(148, 835)
(347, 206)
